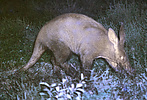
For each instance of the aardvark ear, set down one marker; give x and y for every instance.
(122, 35)
(112, 37)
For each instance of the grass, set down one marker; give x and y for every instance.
(17, 36)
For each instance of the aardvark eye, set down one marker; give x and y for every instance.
(122, 58)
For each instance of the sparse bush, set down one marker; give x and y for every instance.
(124, 13)
(66, 89)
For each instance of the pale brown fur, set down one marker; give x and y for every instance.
(79, 34)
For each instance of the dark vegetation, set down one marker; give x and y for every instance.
(20, 22)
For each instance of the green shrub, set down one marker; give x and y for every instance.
(11, 40)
